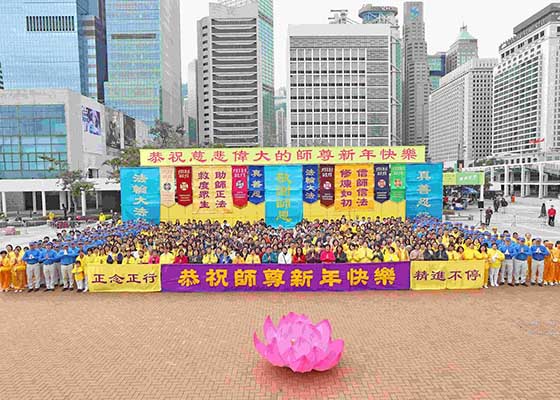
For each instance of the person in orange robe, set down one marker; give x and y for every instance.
(549, 270)
(5, 271)
(556, 262)
(19, 276)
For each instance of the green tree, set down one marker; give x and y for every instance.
(73, 181)
(166, 136)
(129, 157)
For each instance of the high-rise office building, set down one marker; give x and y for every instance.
(436, 64)
(344, 84)
(281, 115)
(461, 113)
(1, 78)
(53, 44)
(464, 49)
(527, 86)
(416, 75)
(144, 54)
(236, 74)
(191, 117)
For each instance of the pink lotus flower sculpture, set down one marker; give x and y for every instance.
(298, 344)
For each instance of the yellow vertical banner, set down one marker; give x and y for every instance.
(438, 275)
(364, 187)
(167, 183)
(353, 188)
(212, 190)
(344, 181)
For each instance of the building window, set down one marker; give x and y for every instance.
(50, 24)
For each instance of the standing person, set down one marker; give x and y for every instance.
(496, 204)
(510, 250)
(18, 268)
(340, 255)
(67, 258)
(31, 258)
(543, 211)
(298, 257)
(49, 259)
(551, 215)
(538, 253)
(5, 271)
(520, 264)
(556, 262)
(488, 215)
(495, 258)
(327, 255)
(78, 272)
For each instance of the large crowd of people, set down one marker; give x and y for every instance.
(62, 261)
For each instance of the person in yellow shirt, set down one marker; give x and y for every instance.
(549, 270)
(483, 254)
(19, 278)
(495, 258)
(470, 252)
(79, 276)
(143, 257)
(239, 258)
(253, 258)
(210, 257)
(166, 257)
(391, 255)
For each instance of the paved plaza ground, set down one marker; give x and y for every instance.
(489, 344)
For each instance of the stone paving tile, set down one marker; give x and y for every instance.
(493, 344)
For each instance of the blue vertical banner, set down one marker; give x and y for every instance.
(256, 184)
(140, 194)
(310, 183)
(284, 202)
(382, 186)
(424, 190)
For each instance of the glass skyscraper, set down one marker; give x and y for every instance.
(144, 59)
(27, 134)
(43, 46)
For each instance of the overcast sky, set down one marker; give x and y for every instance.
(490, 21)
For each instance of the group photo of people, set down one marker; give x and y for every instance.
(61, 262)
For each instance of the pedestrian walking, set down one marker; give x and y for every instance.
(551, 215)
(488, 215)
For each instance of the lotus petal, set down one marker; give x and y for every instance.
(299, 344)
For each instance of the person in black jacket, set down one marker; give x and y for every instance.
(340, 255)
(427, 252)
(441, 254)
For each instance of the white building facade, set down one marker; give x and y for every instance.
(461, 113)
(527, 87)
(236, 74)
(57, 124)
(342, 85)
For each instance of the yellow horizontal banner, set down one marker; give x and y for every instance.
(124, 278)
(281, 155)
(438, 275)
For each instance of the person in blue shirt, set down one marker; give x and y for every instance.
(506, 271)
(269, 257)
(223, 257)
(520, 263)
(49, 258)
(32, 258)
(67, 258)
(538, 252)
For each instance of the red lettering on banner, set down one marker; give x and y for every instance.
(346, 155)
(204, 204)
(283, 155)
(198, 155)
(219, 155)
(345, 173)
(240, 155)
(203, 175)
(325, 154)
(367, 154)
(388, 154)
(263, 155)
(155, 157)
(303, 155)
(220, 175)
(409, 154)
(176, 156)
(362, 173)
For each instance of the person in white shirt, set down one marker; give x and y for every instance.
(284, 257)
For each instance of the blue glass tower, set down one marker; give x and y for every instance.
(43, 45)
(144, 59)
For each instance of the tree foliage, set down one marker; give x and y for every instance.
(73, 181)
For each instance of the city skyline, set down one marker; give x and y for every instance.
(440, 32)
